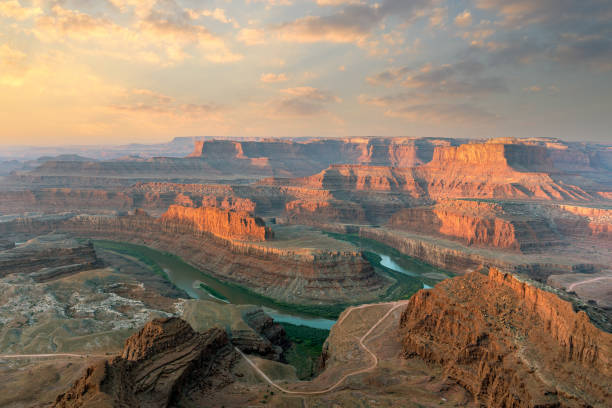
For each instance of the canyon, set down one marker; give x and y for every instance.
(88, 247)
(474, 340)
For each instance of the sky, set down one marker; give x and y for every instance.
(117, 71)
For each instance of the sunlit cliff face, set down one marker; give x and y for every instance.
(144, 70)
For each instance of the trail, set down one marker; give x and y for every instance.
(16, 356)
(573, 285)
(345, 376)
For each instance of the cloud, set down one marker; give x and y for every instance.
(12, 66)
(513, 50)
(443, 113)
(461, 78)
(569, 31)
(268, 78)
(518, 13)
(13, 9)
(533, 89)
(351, 24)
(595, 50)
(463, 19)
(337, 2)
(148, 102)
(304, 101)
(251, 36)
(438, 17)
(163, 35)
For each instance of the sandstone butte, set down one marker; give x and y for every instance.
(509, 343)
(225, 224)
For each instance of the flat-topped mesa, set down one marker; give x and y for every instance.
(218, 149)
(364, 178)
(494, 156)
(232, 225)
(510, 343)
(402, 152)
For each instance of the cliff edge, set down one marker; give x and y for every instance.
(509, 343)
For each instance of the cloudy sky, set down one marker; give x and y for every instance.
(109, 71)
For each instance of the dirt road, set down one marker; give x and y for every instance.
(395, 306)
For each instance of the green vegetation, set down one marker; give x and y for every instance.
(124, 249)
(306, 349)
(213, 292)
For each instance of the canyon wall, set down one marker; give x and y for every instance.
(293, 275)
(221, 223)
(505, 226)
(509, 343)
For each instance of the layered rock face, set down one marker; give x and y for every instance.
(295, 275)
(398, 152)
(510, 343)
(48, 257)
(165, 364)
(480, 223)
(220, 223)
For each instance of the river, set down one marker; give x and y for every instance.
(387, 262)
(189, 278)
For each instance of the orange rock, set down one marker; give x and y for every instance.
(221, 223)
(510, 343)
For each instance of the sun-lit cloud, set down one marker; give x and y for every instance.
(271, 77)
(13, 9)
(303, 101)
(251, 36)
(159, 68)
(12, 66)
(463, 19)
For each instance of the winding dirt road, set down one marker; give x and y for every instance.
(374, 364)
(17, 356)
(573, 285)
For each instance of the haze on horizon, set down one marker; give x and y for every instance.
(129, 71)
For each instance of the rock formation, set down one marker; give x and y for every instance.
(295, 275)
(220, 223)
(166, 364)
(510, 343)
(505, 226)
(48, 257)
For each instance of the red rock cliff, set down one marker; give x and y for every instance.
(509, 343)
(221, 223)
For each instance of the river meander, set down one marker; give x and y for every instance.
(199, 285)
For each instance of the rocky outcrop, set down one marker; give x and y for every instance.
(48, 257)
(479, 223)
(166, 364)
(220, 223)
(6, 244)
(510, 343)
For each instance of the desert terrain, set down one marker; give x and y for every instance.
(225, 263)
